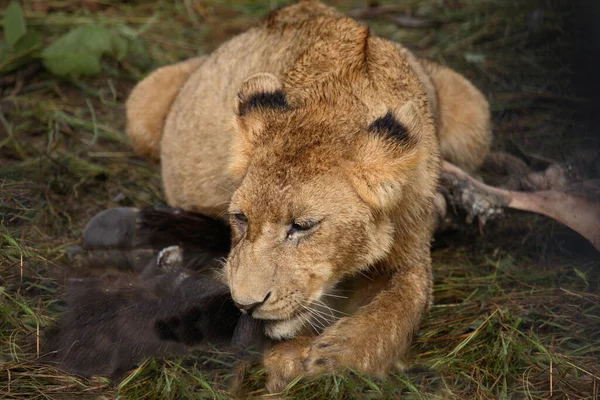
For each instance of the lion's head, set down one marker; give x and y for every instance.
(321, 184)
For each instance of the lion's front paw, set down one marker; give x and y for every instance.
(340, 346)
(346, 344)
(283, 362)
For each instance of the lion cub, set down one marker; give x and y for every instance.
(322, 142)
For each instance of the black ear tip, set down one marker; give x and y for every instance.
(273, 100)
(390, 126)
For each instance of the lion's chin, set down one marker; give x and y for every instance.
(284, 329)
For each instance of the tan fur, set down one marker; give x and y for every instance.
(464, 118)
(313, 161)
(149, 103)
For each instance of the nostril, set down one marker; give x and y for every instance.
(248, 308)
(266, 297)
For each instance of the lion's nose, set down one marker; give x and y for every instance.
(249, 308)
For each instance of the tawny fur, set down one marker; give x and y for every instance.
(308, 156)
(464, 118)
(150, 102)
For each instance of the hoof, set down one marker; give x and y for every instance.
(114, 229)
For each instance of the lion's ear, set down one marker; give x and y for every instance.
(259, 93)
(388, 156)
(262, 91)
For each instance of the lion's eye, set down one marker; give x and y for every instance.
(240, 218)
(298, 227)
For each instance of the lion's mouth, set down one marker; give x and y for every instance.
(286, 321)
(279, 315)
(302, 320)
(287, 328)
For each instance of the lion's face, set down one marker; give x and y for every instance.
(293, 242)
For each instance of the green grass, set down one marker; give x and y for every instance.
(517, 307)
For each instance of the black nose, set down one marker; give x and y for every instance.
(249, 308)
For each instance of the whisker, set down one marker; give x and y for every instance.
(329, 319)
(335, 295)
(365, 275)
(222, 213)
(322, 319)
(219, 273)
(313, 313)
(325, 317)
(330, 309)
(316, 325)
(226, 189)
(307, 320)
(222, 261)
(317, 322)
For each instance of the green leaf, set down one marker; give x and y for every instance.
(29, 41)
(14, 23)
(22, 52)
(79, 51)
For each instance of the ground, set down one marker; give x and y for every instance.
(517, 303)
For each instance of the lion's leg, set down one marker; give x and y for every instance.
(380, 333)
(149, 103)
(371, 341)
(463, 117)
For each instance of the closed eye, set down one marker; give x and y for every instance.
(299, 227)
(240, 217)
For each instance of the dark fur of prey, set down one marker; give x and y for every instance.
(128, 238)
(118, 320)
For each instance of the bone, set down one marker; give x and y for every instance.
(576, 205)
